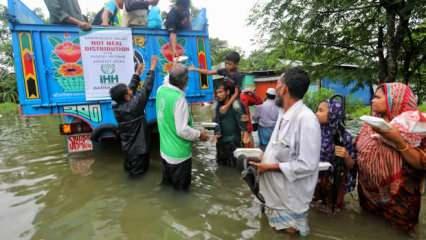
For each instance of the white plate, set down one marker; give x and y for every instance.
(181, 59)
(248, 152)
(324, 166)
(376, 122)
(209, 125)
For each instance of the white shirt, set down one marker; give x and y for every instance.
(183, 130)
(295, 144)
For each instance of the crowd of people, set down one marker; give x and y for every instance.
(125, 13)
(382, 165)
(385, 167)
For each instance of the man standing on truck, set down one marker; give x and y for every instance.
(66, 12)
(175, 128)
(178, 19)
(136, 12)
(110, 14)
(129, 110)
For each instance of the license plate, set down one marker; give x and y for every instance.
(79, 143)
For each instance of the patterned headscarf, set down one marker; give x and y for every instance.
(380, 166)
(335, 128)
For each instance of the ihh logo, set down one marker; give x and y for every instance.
(109, 76)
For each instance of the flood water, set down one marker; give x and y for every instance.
(47, 194)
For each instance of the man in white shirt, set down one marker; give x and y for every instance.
(289, 169)
(176, 132)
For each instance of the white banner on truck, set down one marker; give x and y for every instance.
(107, 57)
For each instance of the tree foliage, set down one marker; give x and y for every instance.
(385, 38)
(8, 90)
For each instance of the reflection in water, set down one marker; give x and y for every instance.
(81, 167)
(53, 195)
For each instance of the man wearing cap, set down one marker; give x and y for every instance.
(266, 116)
(248, 98)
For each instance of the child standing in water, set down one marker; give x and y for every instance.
(338, 149)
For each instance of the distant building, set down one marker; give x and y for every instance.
(360, 92)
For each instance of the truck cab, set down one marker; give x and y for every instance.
(50, 79)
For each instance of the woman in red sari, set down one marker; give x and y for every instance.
(390, 177)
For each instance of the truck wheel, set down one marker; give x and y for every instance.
(104, 131)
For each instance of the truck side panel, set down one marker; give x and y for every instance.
(50, 72)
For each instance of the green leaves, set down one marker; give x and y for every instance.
(56, 61)
(54, 41)
(8, 89)
(343, 32)
(181, 41)
(162, 41)
(76, 41)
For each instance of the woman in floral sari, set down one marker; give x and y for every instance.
(390, 176)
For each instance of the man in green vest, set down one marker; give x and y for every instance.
(175, 128)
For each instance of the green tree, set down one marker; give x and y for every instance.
(8, 91)
(219, 49)
(386, 38)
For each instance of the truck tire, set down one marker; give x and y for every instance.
(102, 131)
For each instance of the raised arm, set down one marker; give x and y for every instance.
(141, 95)
(202, 71)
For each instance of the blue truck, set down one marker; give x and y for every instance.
(50, 81)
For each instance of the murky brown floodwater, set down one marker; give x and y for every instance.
(47, 194)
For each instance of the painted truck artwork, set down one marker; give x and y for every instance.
(67, 65)
(51, 73)
(29, 71)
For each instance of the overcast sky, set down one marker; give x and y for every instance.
(227, 18)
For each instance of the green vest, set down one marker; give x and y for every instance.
(171, 144)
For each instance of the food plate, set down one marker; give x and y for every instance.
(181, 59)
(248, 153)
(376, 122)
(324, 166)
(209, 125)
